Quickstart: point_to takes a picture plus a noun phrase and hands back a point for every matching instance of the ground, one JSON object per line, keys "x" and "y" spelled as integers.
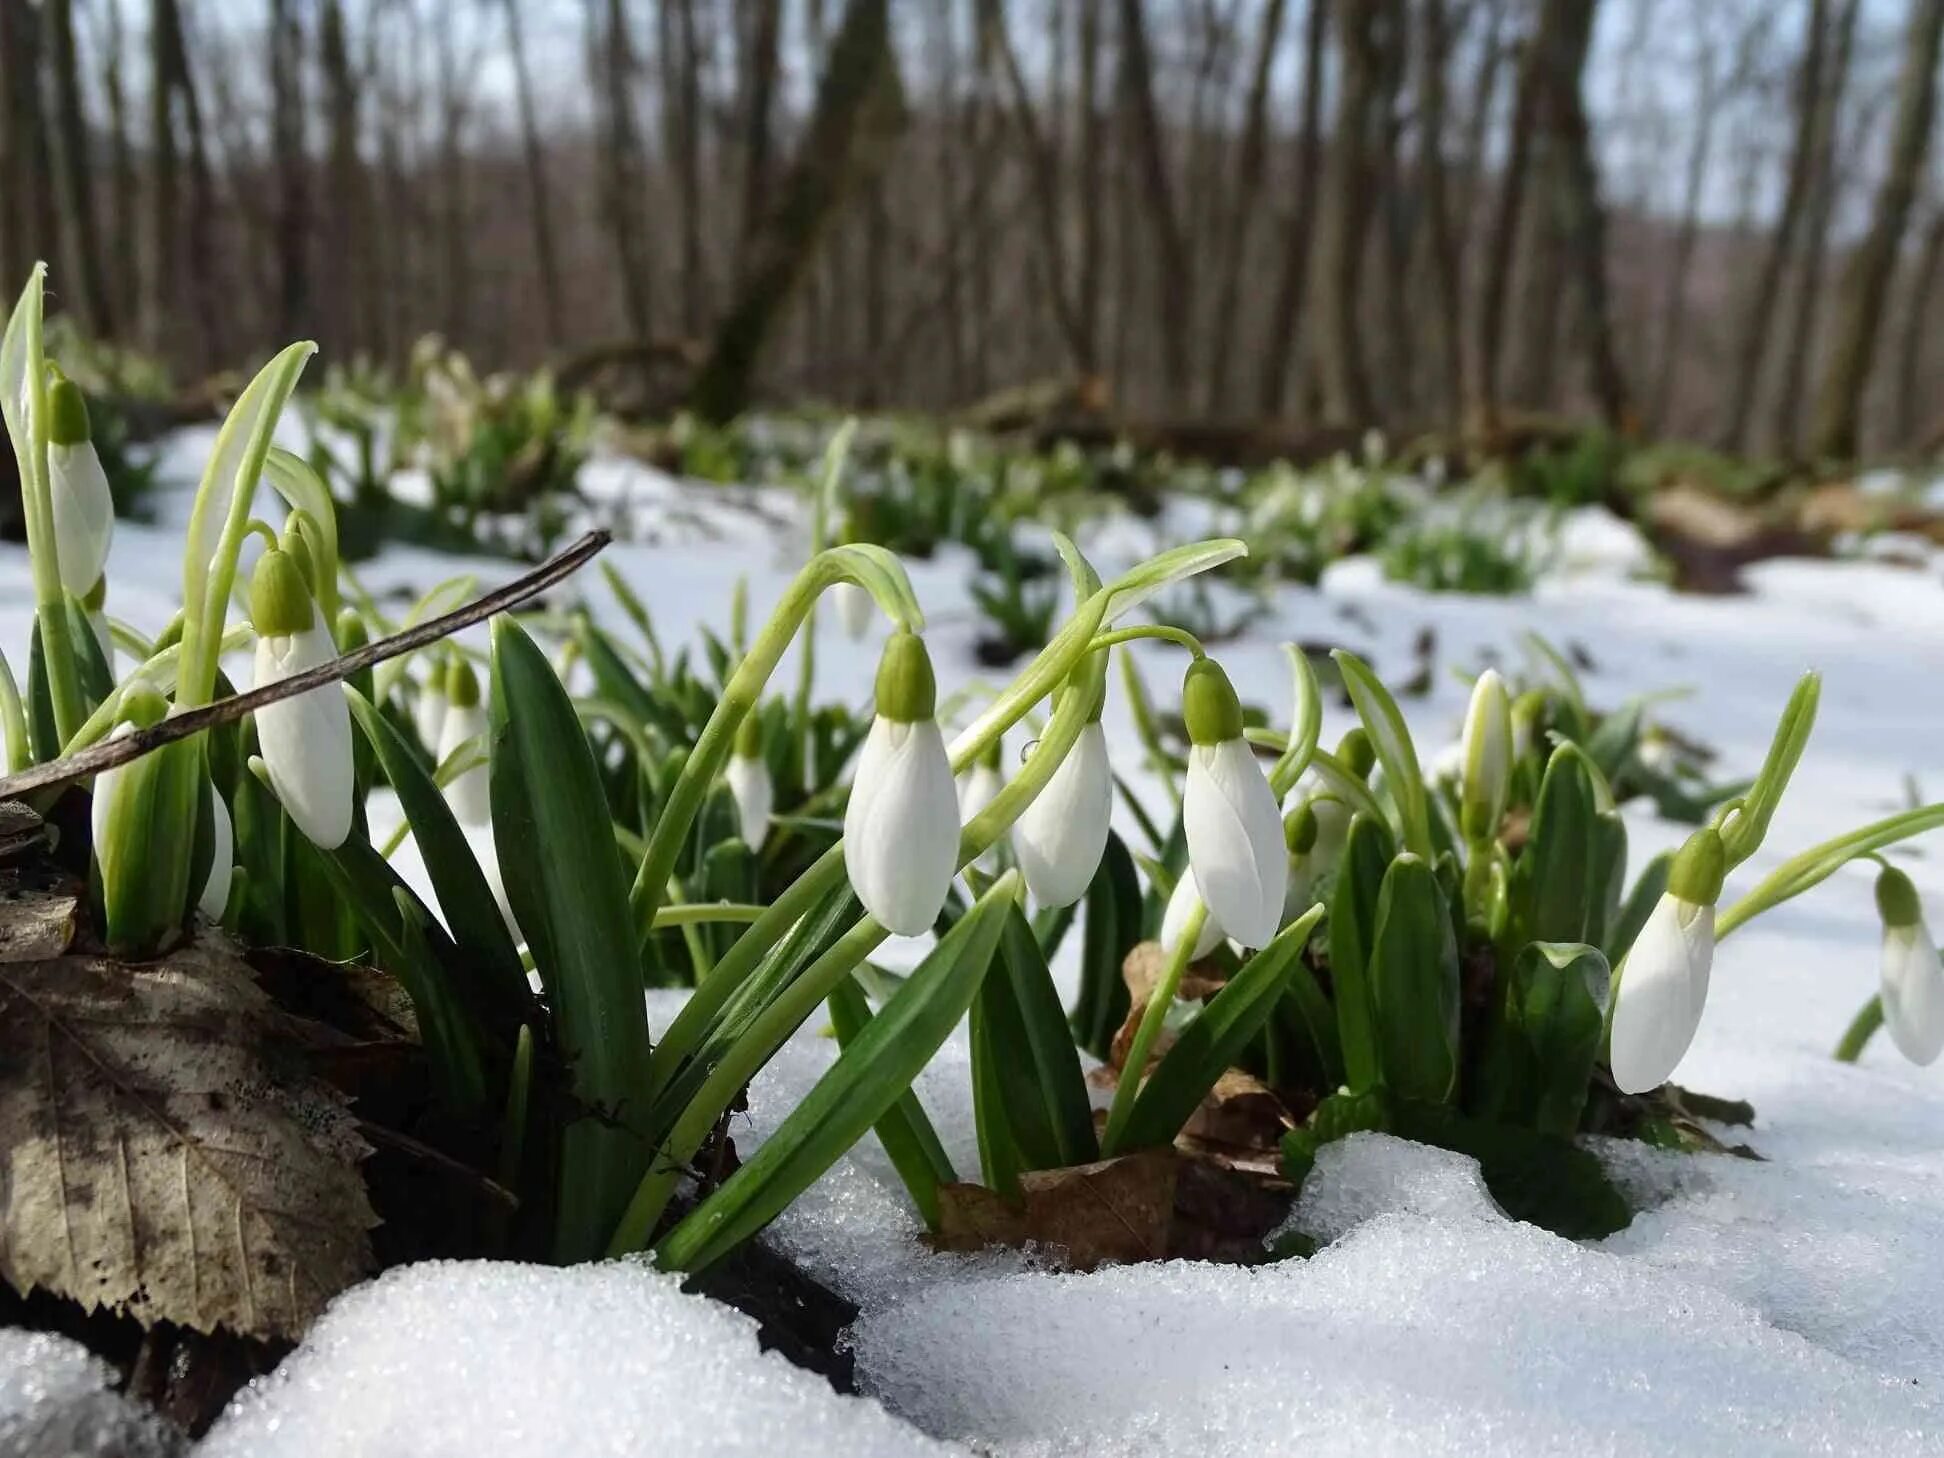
{"x": 1788, "y": 1306}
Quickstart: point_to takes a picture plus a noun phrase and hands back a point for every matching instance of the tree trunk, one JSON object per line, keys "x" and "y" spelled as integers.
{"x": 763, "y": 42}
{"x": 621, "y": 169}
{"x": 1745, "y": 364}
{"x": 1916, "y": 333}
{"x": 1578, "y": 212}
{"x": 834, "y": 159}
{"x": 16, "y": 74}
{"x": 292, "y": 168}
{"x": 124, "y": 217}
{"x": 1338, "y": 350}
{"x": 1093, "y": 192}
{"x": 1173, "y": 282}
{"x": 1292, "y": 280}
{"x": 1441, "y": 242}
{"x": 348, "y": 316}
{"x": 164, "y": 241}
{"x": 1839, "y": 405}
{"x": 1250, "y": 162}
{"x": 78, "y": 171}
{"x": 684, "y": 91}
{"x": 539, "y": 198}
{"x": 1502, "y": 238}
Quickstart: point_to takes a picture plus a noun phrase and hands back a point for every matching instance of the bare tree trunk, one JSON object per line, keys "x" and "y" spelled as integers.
{"x": 205, "y": 278}
{"x": 539, "y": 198}
{"x": 763, "y": 43}
{"x": 1916, "y": 333}
{"x": 77, "y": 170}
{"x": 1441, "y": 244}
{"x": 1502, "y": 238}
{"x": 1249, "y": 166}
{"x": 621, "y": 168}
{"x": 348, "y": 317}
{"x": 1815, "y": 241}
{"x": 1745, "y": 363}
{"x": 1395, "y": 206}
{"x": 17, "y": 75}
{"x": 124, "y": 218}
{"x": 1173, "y": 292}
{"x": 292, "y": 168}
{"x": 1579, "y": 213}
{"x": 1299, "y": 232}
{"x": 683, "y": 89}
{"x": 1093, "y": 194}
{"x": 835, "y": 158}
{"x": 1867, "y": 284}
{"x": 1338, "y": 350}
{"x": 159, "y": 311}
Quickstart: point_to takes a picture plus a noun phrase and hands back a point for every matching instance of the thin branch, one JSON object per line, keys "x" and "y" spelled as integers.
{"x": 131, "y": 746}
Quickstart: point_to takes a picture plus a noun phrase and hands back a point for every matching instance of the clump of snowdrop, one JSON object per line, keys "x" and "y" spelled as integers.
{"x": 901, "y": 827}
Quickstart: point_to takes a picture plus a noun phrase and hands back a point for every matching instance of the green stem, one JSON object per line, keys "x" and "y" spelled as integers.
{"x": 1134, "y": 1068}
{"x": 1862, "y": 1028}
{"x": 1812, "y": 867}
{"x": 1158, "y": 631}
{"x": 13, "y": 718}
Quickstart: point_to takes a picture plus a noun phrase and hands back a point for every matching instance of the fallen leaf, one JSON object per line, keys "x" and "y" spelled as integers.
{"x": 39, "y": 910}
{"x": 168, "y": 1153}
{"x": 1242, "y": 1112}
{"x": 1223, "y": 1212}
{"x": 1143, "y": 967}
{"x": 1113, "y": 1211}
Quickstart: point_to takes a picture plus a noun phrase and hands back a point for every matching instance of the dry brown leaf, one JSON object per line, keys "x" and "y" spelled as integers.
{"x": 1241, "y": 1111}
{"x": 39, "y": 909}
{"x": 1117, "y": 1210}
{"x": 168, "y": 1154}
{"x": 1145, "y": 963}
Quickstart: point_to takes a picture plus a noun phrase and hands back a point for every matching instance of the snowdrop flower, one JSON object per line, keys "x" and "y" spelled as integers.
{"x": 305, "y": 740}
{"x": 1913, "y": 979}
{"x": 854, "y": 608}
{"x": 750, "y": 784}
{"x": 978, "y": 787}
{"x": 901, "y": 828}
{"x": 469, "y": 794}
{"x": 1174, "y": 921}
{"x": 1663, "y": 983}
{"x": 1061, "y": 836}
{"x": 222, "y": 860}
{"x": 428, "y": 713}
{"x": 84, "y": 508}
{"x": 1487, "y": 757}
{"x": 1233, "y": 826}
{"x": 1299, "y": 835}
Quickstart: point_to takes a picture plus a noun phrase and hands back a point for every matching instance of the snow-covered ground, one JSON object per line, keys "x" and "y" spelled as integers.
{"x": 1789, "y": 1306}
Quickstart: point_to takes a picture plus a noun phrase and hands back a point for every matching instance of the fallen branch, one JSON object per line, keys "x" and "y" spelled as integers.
{"x": 120, "y": 750}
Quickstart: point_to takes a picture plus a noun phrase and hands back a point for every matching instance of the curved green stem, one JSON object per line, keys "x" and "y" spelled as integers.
{"x": 1817, "y": 864}
{"x": 1862, "y": 1028}
{"x": 1161, "y": 632}
{"x": 1134, "y": 1068}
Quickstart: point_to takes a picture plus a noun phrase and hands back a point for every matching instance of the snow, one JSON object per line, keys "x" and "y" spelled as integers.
{"x": 465, "y": 1358}
{"x": 1782, "y": 1306}
{"x": 55, "y": 1399}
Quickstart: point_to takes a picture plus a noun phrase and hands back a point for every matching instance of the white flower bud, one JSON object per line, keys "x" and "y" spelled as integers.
{"x": 1913, "y": 979}
{"x": 1174, "y": 921}
{"x": 1229, "y": 814}
{"x": 469, "y": 794}
{"x": 854, "y": 608}
{"x": 750, "y": 784}
{"x": 305, "y": 740}
{"x": 1663, "y": 984}
{"x": 1063, "y": 833}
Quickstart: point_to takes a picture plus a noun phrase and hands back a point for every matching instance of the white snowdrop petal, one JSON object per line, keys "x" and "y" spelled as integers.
{"x": 1061, "y": 836}
{"x": 1235, "y": 840}
{"x": 854, "y": 608}
{"x": 901, "y": 828}
{"x": 1663, "y": 988}
{"x": 1913, "y": 993}
{"x": 469, "y": 795}
{"x": 222, "y": 860}
{"x": 979, "y": 788}
{"x": 84, "y": 514}
{"x": 754, "y": 792}
{"x": 1175, "y": 919}
{"x": 306, "y": 741}
{"x": 428, "y": 716}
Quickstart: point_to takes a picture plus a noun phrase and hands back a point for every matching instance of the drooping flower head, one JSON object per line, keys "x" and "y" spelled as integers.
{"x": 750, "y": 785}
{"x": 1174, "y": 921}
{"x": 305, "y": 740}
{"x": 469, "y": 793}
{"x": 1228, "y": 812}
{"x": 901, "y": 827}
{"x": 1663, "y": 983}
{"x": 1913, "y": 980}
{"x": 1063, "y": 833}
{"x": 84, "y": 507}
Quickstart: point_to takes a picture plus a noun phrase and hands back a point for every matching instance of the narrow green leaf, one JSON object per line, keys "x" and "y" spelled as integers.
{"x": 1745, "y": 831}
{"x": 1560, "y": 992}
{"x": 867, "y": 1079}
{"x": 905, "y": 1132}
{"x": 1112, "y": 929}
{"x": 563, "y": 876}
{"x": 1391, "y": 738}
{"x": 1414, "y": 983}
{"x": 1367, "y": 853}
{"x": 1038, "y": 1075}
{"x": 1212, "y": 1042}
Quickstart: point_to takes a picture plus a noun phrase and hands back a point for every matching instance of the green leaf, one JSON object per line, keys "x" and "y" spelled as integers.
{"x": 1391, "y": 738}
{"x": 905, "y": 1132}
{"x": 1555, "y": 878}
{"x": 1559, "y": 996}
{"x": 1414, "y": 983}
{"x": 563, "y": 877}
{"x": 867, "y": 1079}
{"x": 1539, "y": 1178}
{"x": 1646, "y": 894}
{"x": 1030, "y": 1062}
{"x": 1213, "y": 1041}
{"x": 1367, "y": 853}
{"x": 1113, "y": 928}
{"x": 485, "y": 946}
{"x": 1745, "y": 831}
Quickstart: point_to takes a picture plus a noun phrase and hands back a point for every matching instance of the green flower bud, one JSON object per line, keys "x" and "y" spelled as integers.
{"x": 352, "y": 631}
{"x": 1896, "y": 899}
{"x": 1300, "y": 829}
{"x": 907, "y": 693}
{"x": 462, "y": 684}
{"x": 1699, "y": 868}
{"x": 1209, "y": 706}
{"x": 67, "y": 413}
{"x": 1356, "y": 753}
{"x": 297, "y": 547}
{"x": 280, "y": 599}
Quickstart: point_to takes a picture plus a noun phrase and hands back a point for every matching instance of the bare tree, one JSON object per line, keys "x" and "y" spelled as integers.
{"x": 621, "y": 165}
{"x": 1867, "y": 284}
{"x": 1917, "y": 330}
{"x": 292, "y": 166}
{"x": 77, "y": 168}
{"x": 762, "y": 45}
{"x": 540, "y": 198}
{"x": 1299, "y": 229}
{"x": 1441, "y": 239}
{"x": 1173, "y": 283}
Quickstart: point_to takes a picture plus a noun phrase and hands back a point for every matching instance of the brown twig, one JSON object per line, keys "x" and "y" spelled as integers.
{"x": 117, "y": 751}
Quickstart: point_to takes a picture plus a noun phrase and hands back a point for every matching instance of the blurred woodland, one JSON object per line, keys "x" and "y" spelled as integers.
{"x": 1715, "y": 219}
